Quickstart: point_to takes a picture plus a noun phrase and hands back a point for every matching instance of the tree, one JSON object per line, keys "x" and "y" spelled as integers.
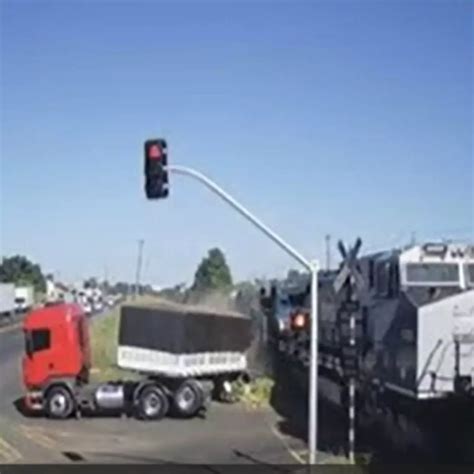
{"x": 292, "y": 274}
{"x": 176, "y": 293}
{"x": 91, "y": 283}
{"x": 246, "y": 295}
{"x": 213, "y": 273}
{"x": 21, "y": 271}
{"x": 122, "y": 288}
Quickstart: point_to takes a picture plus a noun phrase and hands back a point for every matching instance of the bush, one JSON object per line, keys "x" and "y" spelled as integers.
{"x": 255, "y": 394}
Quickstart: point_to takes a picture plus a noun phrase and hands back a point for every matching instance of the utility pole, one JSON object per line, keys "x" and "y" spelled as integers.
{"x": 328, "y": 252}
{"x": 106, "y": 273}
{"x": 139, "y": 266}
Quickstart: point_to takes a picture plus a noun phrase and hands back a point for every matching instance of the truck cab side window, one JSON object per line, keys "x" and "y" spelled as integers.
{"x": 40, "y": 340}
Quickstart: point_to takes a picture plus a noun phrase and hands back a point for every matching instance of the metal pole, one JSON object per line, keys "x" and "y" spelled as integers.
{"x": 352, "y": 398}
{"x": 139, "y": 265}
{"x": 352, "y": 393}
{"x": 313, "y": 376}
{"x": 312, "y": 267}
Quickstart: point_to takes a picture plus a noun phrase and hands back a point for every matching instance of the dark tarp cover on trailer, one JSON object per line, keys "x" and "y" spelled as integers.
{"x": 181, "y": 330}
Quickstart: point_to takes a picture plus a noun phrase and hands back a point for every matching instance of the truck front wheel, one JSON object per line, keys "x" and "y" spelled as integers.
{"x": 152, "y": 403}
{"x": 59, "y": 403}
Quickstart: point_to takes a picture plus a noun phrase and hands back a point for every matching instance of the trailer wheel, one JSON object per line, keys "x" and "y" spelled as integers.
{"x": 152, "y": 403}
{"x": 188, "y": 398}
{"x": 59, "y": 403}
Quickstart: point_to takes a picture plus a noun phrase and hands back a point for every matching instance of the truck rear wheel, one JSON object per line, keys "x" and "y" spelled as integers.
{"x": 188, "y": 398}
{"x": 152, "y": 403}
{"x": 59, "y": 403}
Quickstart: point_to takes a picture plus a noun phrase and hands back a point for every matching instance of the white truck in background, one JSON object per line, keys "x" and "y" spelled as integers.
{"x": 24, "y": 298}
{"x": 97, "y": 300}
{"x": 7, "y": 300}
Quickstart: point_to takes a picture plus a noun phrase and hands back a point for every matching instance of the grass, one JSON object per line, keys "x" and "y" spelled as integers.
{"x": 255, "y": 394}
{"x": 104, "y": 337}
{"x": 104, "y": 334}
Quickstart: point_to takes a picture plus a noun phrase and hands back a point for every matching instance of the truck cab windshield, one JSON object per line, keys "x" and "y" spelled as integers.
{"x": 432, "y": 273}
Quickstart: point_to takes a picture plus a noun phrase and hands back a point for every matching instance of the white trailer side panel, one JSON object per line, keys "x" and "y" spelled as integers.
{"x": 180, "y": 365}
{"x": 7, "y": 298}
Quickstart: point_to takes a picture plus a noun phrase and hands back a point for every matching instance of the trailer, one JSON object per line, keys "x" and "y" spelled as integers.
{"x": 7, "y": 299}
{"x": 184, "y": 355}
{"x": 24, "y": 298}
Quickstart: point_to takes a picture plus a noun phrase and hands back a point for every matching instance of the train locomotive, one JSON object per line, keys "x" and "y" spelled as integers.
{"x": 414, "y": 330}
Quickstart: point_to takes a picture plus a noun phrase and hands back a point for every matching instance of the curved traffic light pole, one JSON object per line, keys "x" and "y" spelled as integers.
{"x": 311, "y": 266}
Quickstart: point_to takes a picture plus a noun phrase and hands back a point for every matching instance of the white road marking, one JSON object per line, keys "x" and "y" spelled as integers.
{"x": 296, "y": 455}
{"x": 8, "y": 452}
{"x": 10, "y": 328}
{"x": 36, "y": 435}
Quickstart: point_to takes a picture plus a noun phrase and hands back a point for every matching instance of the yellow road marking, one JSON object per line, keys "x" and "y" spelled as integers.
{"x": 35, "y": 435}
{"x": 8, "y": 452}
{"x": 10, "y": 328}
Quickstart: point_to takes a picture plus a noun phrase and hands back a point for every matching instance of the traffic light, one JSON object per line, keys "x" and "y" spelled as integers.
{"x": 156, "y": 171}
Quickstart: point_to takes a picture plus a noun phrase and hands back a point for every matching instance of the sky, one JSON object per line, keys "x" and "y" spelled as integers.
{"x": 347, "y": 118}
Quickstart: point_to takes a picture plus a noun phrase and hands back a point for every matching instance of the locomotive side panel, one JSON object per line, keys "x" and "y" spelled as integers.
{"x": 441, "y": 324}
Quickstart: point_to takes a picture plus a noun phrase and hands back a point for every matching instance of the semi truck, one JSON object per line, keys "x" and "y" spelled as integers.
{"x": 185, "y": 356}
{"x": 7, "y": 300}
{"x": 24, "y": 298}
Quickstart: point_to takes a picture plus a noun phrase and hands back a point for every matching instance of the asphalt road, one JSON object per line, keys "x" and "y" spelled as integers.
{"x": 229, "y": 433}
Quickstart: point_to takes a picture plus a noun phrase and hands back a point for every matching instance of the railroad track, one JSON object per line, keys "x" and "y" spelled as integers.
{"x": 445, "y": 436}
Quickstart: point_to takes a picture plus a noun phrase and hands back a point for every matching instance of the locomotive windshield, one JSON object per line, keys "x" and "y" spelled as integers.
{"x": 470, "y": 274}
{"x": 432, "y": 273}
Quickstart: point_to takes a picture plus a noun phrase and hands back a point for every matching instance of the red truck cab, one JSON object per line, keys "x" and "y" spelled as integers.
{"x": 56, "y": 348}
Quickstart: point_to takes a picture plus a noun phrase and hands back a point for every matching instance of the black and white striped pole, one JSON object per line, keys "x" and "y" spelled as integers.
{"x": 352, "y": 394}
{"x": 350, "y": 278}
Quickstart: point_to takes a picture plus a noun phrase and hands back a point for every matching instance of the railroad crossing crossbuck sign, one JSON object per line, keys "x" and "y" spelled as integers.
{"x": 349, "y": 271}
{"x": 350, "y": 315}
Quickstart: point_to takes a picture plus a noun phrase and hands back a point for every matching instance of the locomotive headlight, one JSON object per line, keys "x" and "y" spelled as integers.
{"x": 299, "y": 321}
{"x": 435, "y": 249}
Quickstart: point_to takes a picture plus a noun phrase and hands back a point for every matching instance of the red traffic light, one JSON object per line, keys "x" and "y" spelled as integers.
{"x": 156, "y": 172}
{"x": 154, "y": 152}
